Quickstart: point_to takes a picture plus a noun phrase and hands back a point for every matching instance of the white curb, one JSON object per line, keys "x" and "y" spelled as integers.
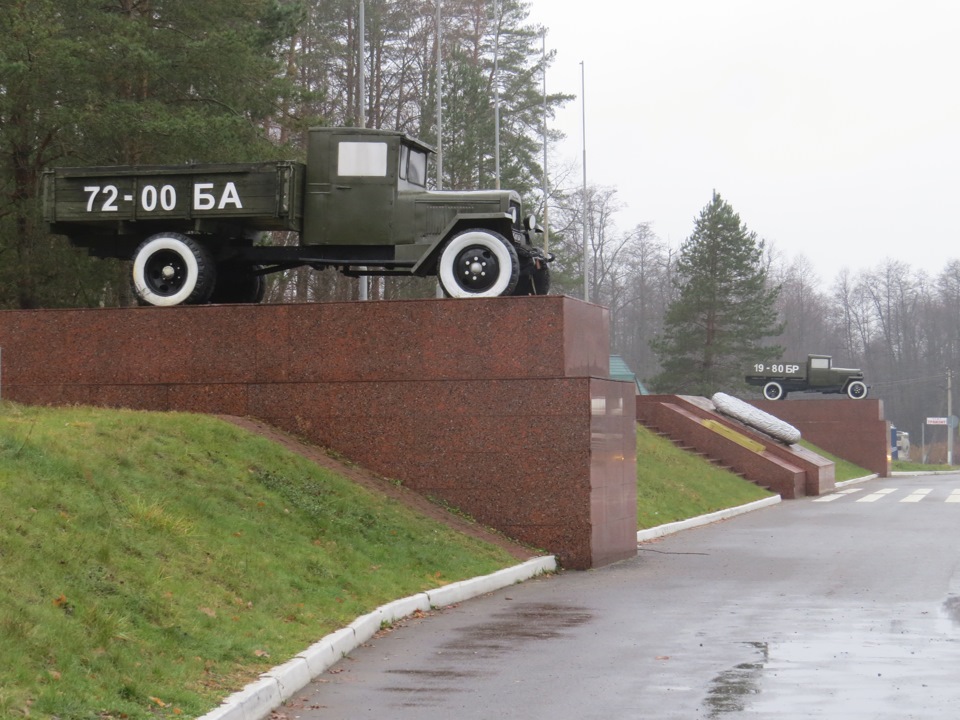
{"x": 670, "y": 528}
{"x": 275, "y": 687}
{"x": 856, "y": 481}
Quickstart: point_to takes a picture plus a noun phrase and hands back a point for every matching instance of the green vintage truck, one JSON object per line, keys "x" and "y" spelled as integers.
{"x": 196, "y": 232}
{"x": 816, "y": 375}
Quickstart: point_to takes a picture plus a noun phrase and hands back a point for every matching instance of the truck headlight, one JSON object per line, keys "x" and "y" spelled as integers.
{"x": 530, "y": 223}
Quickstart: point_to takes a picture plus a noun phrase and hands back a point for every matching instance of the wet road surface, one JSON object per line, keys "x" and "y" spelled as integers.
{"x": 844, "y": 608}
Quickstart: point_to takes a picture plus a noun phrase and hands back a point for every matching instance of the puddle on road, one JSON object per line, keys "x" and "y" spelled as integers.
{"x": 865, "y": 667}
{"x": 951, "y": 608}
{"x": 510, "y": 629}
{"x": 730, "y": 690}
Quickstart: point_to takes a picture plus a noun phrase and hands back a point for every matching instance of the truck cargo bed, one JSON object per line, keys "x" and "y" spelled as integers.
{"x": 129, "y": 201}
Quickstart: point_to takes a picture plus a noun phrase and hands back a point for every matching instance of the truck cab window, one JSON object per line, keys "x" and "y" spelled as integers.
{"x": 417, "y": 167}
{"x": 404, "y": 156}
{"x": 362, "y": 159}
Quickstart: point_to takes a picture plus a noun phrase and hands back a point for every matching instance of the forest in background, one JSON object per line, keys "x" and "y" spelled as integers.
{"x": 160, "y": 81}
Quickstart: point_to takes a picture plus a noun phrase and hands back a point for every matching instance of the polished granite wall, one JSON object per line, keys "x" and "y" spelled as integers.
{"x": 854, "y": 430}
{"x": 500, "y": 407}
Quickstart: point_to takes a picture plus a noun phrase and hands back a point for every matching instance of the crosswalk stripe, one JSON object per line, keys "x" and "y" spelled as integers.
{"x": 914, "y": 496}
{"x": 837, "y": 495}
{"x": 873, "y": 497}
{"x": 917, "y": 495}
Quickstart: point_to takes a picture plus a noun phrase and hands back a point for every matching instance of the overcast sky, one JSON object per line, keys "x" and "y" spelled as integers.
{"x": 831, "y": 127}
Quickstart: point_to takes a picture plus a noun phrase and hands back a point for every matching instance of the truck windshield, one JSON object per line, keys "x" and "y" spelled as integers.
{"x": 417, "y": 167}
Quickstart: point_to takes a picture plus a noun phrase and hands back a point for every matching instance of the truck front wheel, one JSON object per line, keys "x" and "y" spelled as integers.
{"x": 478, "y": 263}
{"x": 773, "y": 391}
{"x": 170, "y": 269}
{"x": 857, "y": 390}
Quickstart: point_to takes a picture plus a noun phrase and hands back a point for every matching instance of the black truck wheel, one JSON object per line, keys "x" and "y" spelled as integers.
{"x": 171, "y": 269}
{"x": 478, "y": 263}
{"x": 857, "y": 390}
{"x": 773, "y": 391}
{"x": 534, "y": 282}
{"x": 237, "y": 284}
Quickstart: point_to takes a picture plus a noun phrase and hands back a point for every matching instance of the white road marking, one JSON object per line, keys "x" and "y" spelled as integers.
{"x": 873, "y": 497}
{"x": 917, "y": 495}
{"x": 837, "y": 495}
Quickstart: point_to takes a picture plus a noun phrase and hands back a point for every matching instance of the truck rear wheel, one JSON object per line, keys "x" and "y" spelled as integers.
{"x": 478, "y": 263}
{"x": 773, "y": 391}
{"x": 857, "y": 390}
{"x": 237, "y": 284}
{"x": 171, "y": 269}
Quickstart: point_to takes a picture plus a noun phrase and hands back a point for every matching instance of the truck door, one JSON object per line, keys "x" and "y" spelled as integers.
{"x": 351, "y": 200}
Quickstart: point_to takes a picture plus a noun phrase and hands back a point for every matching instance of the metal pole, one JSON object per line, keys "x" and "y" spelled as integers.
{"x": 439, "y": 74}
{"x": 949, "y": 417}
{"x": 362, "y": 114}
{"x": 583, "y": 103}
{"x": 496, "y": 97}
{"x": 546, "y": 178}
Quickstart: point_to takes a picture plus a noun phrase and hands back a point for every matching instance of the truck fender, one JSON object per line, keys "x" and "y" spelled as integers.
{"x": 498, "y": 222}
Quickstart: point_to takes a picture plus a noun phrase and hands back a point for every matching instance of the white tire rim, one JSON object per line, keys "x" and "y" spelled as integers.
{"x": 447, "y": 271}
{"x": 139, "y": 271}
{"x": 859, "y": 393}
{"x": 773, "y": 386}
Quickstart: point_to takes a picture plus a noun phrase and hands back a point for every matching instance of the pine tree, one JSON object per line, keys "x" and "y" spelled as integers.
{"x": 723, "y": 311}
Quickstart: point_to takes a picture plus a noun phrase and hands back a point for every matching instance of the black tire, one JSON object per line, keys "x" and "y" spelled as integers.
{"x": 856, "y": 390}
{"x": 773, "y": 391}
{"x": 535, "y": 282}
{"x": 237, "y": 284}
{"x": 478, "y": 263}
{"x": 172, "y": 269}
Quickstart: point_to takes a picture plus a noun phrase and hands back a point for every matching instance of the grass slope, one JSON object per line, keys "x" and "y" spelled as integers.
{"x": 842, "y": 469}
{"x": 150, "y": 564}
{"x": 674, "y": 485}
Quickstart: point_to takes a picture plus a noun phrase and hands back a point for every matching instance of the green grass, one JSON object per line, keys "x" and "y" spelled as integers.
{"x": 153, "y": 563}
{"x": 675, "y": 485}
{"x": 908, "y": 466}
{"x": 843, "y": 470}
{"x": 150, "y": 564}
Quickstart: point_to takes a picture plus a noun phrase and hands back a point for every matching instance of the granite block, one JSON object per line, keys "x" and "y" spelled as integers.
{"x": 501, "y": 407}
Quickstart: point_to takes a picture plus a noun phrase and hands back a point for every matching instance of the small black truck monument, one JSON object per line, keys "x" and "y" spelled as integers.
{"x": 816, "y": 375}
{"x": 360, "y": 204}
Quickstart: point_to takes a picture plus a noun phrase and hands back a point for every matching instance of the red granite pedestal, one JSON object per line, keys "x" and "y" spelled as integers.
{"x": 854, "y": 430}
{"x": 500, "y": 407}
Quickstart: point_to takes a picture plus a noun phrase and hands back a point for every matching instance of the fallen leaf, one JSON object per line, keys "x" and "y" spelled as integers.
{"x": 261, "y": 653}
{"x": 158, "y": 701}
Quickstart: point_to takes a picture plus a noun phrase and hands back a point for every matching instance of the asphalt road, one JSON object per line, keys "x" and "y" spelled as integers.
{"x": 832, "y": 608}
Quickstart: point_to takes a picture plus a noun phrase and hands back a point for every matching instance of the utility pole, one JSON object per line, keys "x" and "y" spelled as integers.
{"x": 583, "y": 103}
{"x": 362, "y": 117}
{"x": 439, "y": 79}
{"x": 949, "y": 417}
{"x": 546, "y": 178}
{"x": 496, "y": 97}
